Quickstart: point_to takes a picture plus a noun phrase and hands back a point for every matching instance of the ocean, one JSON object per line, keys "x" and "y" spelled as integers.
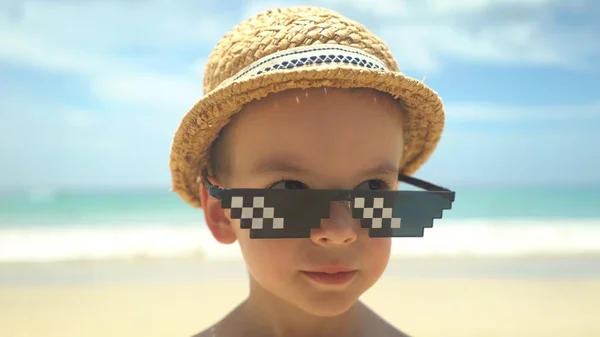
{"x": 53, "y": 226}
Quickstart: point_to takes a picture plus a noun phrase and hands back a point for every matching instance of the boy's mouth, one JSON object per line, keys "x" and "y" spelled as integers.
{"x": 331, "y": 275}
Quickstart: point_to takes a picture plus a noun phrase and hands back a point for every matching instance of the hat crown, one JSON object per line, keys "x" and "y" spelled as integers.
{"x": 280, "y": 29}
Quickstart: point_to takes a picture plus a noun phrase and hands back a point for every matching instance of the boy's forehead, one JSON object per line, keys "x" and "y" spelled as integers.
{"x": 334, "y": 128}
{"x": 320, "y": 108}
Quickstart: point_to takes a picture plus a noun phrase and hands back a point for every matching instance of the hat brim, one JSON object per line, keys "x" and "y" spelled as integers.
{"x": 201, "y": 125}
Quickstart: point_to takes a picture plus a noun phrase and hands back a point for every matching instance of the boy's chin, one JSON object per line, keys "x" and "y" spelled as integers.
{"x": 327, "y": 305}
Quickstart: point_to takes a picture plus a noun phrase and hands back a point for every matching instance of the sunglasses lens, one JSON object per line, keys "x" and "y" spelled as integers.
{"x": 398, "y": 213}
{"x": 279, "y": 213}
{"x": 294, "y": 213}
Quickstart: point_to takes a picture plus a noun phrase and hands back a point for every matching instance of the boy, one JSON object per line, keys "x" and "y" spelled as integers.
{"x": 295, "y": 152}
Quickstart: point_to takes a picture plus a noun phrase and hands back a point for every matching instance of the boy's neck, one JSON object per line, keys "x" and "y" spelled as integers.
{"x": 265, "y": 315}
{"x": 280, "y": 321}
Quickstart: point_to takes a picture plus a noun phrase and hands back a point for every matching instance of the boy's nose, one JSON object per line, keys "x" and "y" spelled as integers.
{"x": 339, "y": 229}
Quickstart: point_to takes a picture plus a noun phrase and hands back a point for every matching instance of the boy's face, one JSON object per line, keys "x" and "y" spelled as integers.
{"x": 319, "y": 139}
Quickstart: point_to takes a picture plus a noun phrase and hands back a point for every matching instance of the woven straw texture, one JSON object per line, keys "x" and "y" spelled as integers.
{"x": 278, "y": 30}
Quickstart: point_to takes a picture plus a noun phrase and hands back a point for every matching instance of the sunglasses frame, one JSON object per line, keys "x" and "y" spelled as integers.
{"x": 438, "y": 193}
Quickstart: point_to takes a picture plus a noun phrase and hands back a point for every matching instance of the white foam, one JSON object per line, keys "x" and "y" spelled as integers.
{"x": 504, "y": 238}
{"x": 163, "y": 240}
{"x": 94, "y": 242}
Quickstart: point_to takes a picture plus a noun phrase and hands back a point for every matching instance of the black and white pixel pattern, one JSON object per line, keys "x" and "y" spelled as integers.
{"x": 307, "y": 56}
{"x": 254, "y": 214}
{"x": 384, "y": 213}
{"x": 374, "y": 212}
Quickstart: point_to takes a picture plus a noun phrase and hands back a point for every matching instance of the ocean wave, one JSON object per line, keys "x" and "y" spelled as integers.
{"x": 162, "y": 240}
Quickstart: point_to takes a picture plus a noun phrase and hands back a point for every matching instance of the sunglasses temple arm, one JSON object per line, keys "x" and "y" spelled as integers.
{"x": 421, "y": 183}
{"x": 213, "y": 190}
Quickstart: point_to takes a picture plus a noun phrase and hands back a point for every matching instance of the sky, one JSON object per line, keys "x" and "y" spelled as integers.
{"x": 91, "y": 91}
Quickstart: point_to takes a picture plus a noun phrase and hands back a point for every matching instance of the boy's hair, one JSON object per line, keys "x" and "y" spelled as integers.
{"x": 219, "y": 163}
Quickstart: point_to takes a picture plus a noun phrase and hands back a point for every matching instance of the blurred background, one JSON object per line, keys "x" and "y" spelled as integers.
{"x": 91, "y": 93}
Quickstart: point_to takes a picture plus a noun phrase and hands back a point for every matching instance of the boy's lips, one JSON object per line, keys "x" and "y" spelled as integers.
{"x": 331, "y": 269}
{"x": 331, "y": 275}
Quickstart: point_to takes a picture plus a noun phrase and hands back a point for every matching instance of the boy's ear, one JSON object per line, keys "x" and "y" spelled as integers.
{"x": 216, "y": 218}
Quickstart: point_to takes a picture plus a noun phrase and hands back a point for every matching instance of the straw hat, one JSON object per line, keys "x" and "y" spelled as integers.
{"x": 298, "y": 47}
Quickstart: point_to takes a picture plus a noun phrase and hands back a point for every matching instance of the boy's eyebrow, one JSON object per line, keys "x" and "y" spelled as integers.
{"x": 279, "y": 164}
{"x": 383, "y": 168}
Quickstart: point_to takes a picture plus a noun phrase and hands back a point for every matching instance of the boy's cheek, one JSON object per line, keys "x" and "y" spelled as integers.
{"x": 379, "y": 246}
{"x": 266, "y": 249}
{"x": 375, "y": 254}
{"x": 274, "y": 259}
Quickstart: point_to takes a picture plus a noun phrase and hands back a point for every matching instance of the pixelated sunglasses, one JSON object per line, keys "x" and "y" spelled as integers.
{"x": 292, "y": 213}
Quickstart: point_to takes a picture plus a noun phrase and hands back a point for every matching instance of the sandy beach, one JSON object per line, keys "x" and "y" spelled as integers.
{"x": 183, "y": 305}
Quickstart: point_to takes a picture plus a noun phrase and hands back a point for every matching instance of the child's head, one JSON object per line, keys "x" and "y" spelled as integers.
{"x": 303, "y": 98}
{"x": 321, "y": 138}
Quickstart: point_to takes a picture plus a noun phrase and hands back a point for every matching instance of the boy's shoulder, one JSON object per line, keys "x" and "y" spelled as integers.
{"x": 389, "y": 331}
{"x": 377, "y": 326}
{"x": 386, "y": 332}
{"x": 374, "y": 326}
{"x": 210, "y": 332}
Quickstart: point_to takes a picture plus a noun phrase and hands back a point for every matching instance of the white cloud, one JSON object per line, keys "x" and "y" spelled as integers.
{"x": 123, "y": 49}
{"x": 423, "y": 47}
{"x": 36, "y": 51}
{"x": 424, "y": 10}
{"x": 511, "y": 113}
{"x": 149, "y": 90}
{"x": 422, "y": 42}
{"x": 75, "y": 146}
{"x": 78, "y": 118}
{"x": 99, "y": 37}
{"x": 107, "y": 36}
{"x": 518, "y": 157}
{"x": 197, "y": 68}
{"x": 457, "y": 6}
{"x": 137, "y": 59}
{"x": 422, "y": 34}
{"x": 110, "y": 39}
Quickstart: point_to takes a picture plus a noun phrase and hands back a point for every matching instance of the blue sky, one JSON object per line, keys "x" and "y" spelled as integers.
{"x": 91, "y": 92}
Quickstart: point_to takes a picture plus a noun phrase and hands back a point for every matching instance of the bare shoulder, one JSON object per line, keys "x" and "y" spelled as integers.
{"x": 380, "y": 327}
{"x": 226, "y": 327}
{"x": 210, "y": 332}
{"x": 393, "y": 332}
{"x": 385, "y": 329}
{"x": 220, "y": 329}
